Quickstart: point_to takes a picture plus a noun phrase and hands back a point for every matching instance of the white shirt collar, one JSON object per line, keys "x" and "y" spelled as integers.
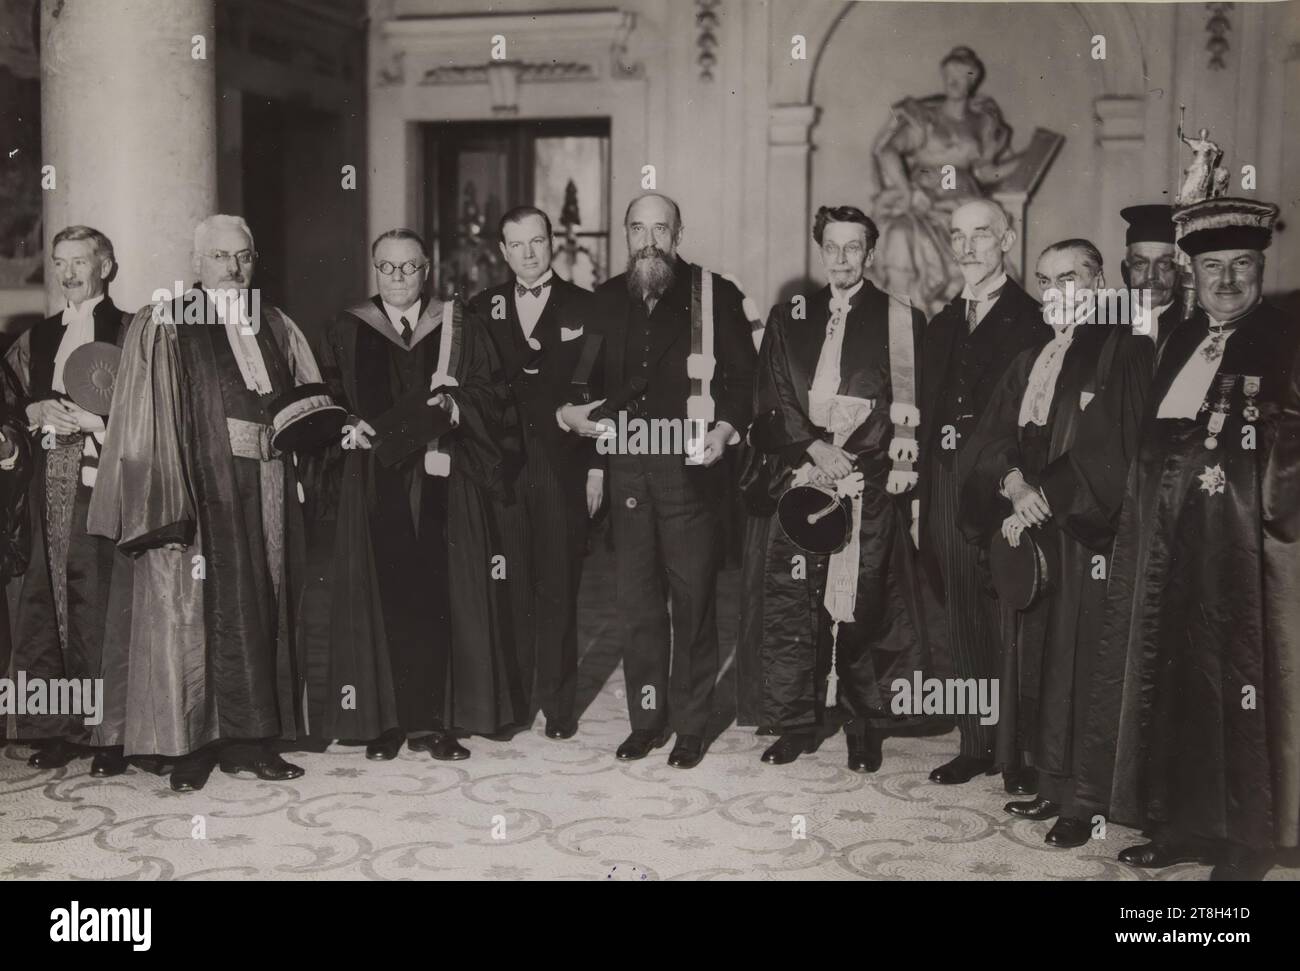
{"x": 991, "y": 285}
{"x": 544, "y": 278}
{"x": 411, "y": 313}
{"x": 844, "y": 296}
{"x": 84, "y": 312}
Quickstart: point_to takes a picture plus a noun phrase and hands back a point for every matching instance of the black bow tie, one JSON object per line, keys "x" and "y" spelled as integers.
{"x": 536, "y": 291}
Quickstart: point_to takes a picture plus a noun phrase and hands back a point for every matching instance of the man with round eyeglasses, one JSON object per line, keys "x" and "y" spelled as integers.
{"x": 412, "y": 607}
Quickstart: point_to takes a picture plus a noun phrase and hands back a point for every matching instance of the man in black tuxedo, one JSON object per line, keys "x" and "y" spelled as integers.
{"x": 658, "y": 368}
{"x": 968, "y": 346}
{"x": 536, "y": 321}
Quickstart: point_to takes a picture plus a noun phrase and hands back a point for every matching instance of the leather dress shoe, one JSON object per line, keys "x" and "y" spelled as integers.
{"x": 1251, "y": 867}
{"x": 561, "y": 728}
{"x": 108, "y": 762}
{"x": 1020, "y": 782}
{"x": 639, "y": 744}
{"x": 386, "y": 746}
{"x": 190, "y": 773}
{"x": 53, "y": 754}
{"x": 263, "y": 763}
{"x": 688, "y": 751}
{"x": 865, "y": 753}
{"x": 1068, "y": 832}
{"x": 1156, "y": 855}
{"x": 787, "y": 748}
{"x": 1037, "y": 808}
{"x": 444, "y": 747}
{"x": 961, "y": 769}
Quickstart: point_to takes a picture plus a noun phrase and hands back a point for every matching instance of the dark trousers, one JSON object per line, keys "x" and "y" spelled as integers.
{"x": 543, "y": 534}
{"x": 971, "y": 611}
{"x": 667, "y": 550}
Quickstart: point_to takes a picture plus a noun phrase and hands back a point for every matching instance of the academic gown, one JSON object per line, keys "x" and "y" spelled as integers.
{"x": 1194, "y": 715}
{"x": 417, "y": 623}
{"x": 885, "y": 641}
{"x": 206, "y": 647}
{"x": 59, "y": 603}
{"x": 15, "y": 523}
{"x": 1080, "y": 459}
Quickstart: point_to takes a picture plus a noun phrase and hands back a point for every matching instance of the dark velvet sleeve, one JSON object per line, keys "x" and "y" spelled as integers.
{"x": 786, "y": 430}
{"x": 1085, "y": 486}
{"x": 992, "y": 452}
{"x": 488, "y": 429}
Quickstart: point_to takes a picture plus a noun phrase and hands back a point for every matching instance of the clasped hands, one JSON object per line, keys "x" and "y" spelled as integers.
{"x": 65, "y": 417}
{"x": 1029, "y": 505}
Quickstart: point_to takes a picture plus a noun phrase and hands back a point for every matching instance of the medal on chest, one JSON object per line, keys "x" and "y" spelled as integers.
{"x": 1214, "y": 349}
{"x": 1250, "y": 384}
{"x": 1219, "y": 413}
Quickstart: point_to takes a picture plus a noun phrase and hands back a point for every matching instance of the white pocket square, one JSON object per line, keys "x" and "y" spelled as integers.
{"x": 1085, "y": 399}
{"x": 570, "y": 335}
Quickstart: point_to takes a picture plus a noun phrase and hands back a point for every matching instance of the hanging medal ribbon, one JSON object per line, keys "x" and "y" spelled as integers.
{"x": 1219, "y": 415}
{"x": 1250, "y": 385}
{"x": 436, "y": 460}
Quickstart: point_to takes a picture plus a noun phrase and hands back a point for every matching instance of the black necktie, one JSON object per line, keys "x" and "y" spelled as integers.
{"x": 536, "y": 291}
{"x": 406, "y": 331}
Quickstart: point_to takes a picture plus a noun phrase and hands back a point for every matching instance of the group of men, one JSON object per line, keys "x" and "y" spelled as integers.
{"x": 414, "y": 579}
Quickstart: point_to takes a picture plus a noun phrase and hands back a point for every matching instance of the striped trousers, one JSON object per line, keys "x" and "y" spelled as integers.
{"x": 971, "y": 611}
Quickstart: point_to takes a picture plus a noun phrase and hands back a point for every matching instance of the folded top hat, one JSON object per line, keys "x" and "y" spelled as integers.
{"x": 90, "y": 373}
{"x": 815, "y": 519}
{"x": 304, "y": 418}
{"x": 1020, "y": 574}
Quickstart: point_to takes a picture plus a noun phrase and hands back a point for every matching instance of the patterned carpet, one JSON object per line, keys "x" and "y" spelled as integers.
{"x": 533, "y": 808}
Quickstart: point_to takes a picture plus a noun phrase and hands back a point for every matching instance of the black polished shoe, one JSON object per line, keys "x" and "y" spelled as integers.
{"x": 639, "y": 744}
{"x": 1155, "y": 855}
{"x": 961, "y": 770}
{"x": 263, "y": 763}
{"x": 1020, "y": 782}
{"x": 787, "y": 748}
{"x": 688, "y": 751}
{"x": 190, "y": 773}
{"x": 53, "y": 754}
{"x": 444, "y": 747}
{"x": 561, "y": 728}
{"x": 108, "y": 762}
{"x": 1250, "y": 867}
{"x": 1037, "y": 808}
{"x": 865, "y": 753}
{"x": 386, "y": 746}
{"x": 1068, "y": 832}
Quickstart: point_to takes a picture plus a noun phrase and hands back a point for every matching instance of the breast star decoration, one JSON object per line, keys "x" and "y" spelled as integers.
{"x": 1212, "y": 479}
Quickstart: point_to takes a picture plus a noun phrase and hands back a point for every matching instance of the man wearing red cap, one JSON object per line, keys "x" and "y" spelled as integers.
{"x": 1194, "y": 721}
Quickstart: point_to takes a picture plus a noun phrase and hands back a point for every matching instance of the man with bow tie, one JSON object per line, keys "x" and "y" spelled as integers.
{"x": 836, "y": 407}
{"x": 63, "y": 596}
{"x": 1194, "y": 716}
{"x": 537, "y": 322}
{"x": 968, "y": 346}
{"x": 416, "y": 654}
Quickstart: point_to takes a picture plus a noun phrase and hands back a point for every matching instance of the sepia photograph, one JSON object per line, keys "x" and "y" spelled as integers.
{"x": 650, "y": 440}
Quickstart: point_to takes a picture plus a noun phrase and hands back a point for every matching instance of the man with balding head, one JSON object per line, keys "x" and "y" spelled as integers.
{"x": 204, "y": 666}
{"x": 968, "y": 346}
{"x": 675, "y": 356}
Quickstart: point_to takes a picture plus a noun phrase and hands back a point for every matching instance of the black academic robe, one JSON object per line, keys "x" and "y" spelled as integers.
{"x": 884, "y": 642}
{"x": 1080, "y": 459}
{"x": 59, "y": 603}
{"x": 417, "y": 630}
{"x": 1194, "y": 709}
{"x": 15, "y": 524}
{"x": 189, "y": 487}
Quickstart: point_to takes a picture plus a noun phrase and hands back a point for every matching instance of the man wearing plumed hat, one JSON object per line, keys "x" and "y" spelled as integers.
{"x": 1193, "y": 732}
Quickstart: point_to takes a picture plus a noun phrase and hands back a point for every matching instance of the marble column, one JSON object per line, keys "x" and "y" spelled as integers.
{"x": 788, "y": 187}
{"x": 129, "y": 123}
